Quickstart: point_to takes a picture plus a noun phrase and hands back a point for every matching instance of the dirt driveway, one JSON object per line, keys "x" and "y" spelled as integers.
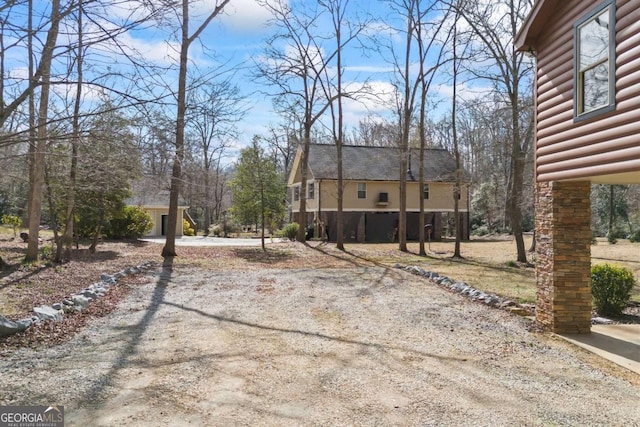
{"x": 344, "y": 346}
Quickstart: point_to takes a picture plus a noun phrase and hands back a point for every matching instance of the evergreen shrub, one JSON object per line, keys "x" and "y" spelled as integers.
{"x": 290, "y": 231}
{"x": 611, "y": 288}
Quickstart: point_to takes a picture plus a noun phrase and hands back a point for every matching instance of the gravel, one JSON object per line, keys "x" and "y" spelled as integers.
{"x": 362, "y": 346}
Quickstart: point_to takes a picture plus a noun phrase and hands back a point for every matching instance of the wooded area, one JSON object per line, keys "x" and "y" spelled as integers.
{"x": 84, "y": 117}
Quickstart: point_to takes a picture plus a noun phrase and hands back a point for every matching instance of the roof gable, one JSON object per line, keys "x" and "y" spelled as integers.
{"x": 151, "y": 199}
{"x": 534, "y": 24}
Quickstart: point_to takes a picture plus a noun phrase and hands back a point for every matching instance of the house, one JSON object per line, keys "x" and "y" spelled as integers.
{"x": 156, "y": 204}
{"x": 371, "y": 178}
{"x": 587, "y": 91}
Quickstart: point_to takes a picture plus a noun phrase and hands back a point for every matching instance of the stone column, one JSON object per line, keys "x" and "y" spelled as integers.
{"x": 563, "y": 249}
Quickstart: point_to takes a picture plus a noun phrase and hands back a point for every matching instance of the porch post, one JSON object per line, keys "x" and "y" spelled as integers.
{"x": 563, "y": 249}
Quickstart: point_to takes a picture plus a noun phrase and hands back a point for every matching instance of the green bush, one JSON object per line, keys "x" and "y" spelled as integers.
{"x": 12, "y": 221}
{"x": 481, "y": 230}
{"x": 290, "y": 231}
{"x": 611, "y": 288}
{"x": 186, "y": 228}
{"x": 133, "y": 222}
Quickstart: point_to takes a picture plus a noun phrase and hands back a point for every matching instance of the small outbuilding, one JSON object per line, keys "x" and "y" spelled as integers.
{"x": 156, "y": 204}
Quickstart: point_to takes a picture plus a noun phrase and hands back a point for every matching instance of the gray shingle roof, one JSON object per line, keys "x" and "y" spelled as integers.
{"x": 379, "y": 163}
{"x": 153, "y": 199}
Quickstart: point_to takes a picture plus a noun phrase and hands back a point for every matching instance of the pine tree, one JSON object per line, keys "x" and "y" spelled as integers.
{"x": 258, "y": 189}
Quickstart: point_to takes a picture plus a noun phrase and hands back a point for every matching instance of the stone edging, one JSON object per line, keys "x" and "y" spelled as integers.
{"x": 470, "y": 292}
{"x": 76, "y": 302}
{"x": 491, "y": 300}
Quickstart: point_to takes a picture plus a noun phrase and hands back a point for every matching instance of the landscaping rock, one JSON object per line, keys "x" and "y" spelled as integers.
{"x": 107, "y": 278}
{"x": 7, "y": 327}
{"x": 89, "y": 294}
{"x": 45, "y": 312}
{"x": 80, "y": 302}
{"x": 24, "y": 323}
{"x": 77, "y": 302}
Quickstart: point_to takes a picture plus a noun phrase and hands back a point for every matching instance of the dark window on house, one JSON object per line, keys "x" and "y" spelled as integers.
{"x": 310, "y": 190}
{"x": 296, "y": 193}
{"x": 362, "y": 190}
{"x": 425, "y": 192}
{"x": 594, "y": 43}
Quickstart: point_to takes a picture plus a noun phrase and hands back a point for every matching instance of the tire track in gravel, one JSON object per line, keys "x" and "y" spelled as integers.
{"x": 351, "y": 346}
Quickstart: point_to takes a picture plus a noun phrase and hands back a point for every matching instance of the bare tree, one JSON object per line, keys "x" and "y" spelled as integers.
{"x": 67, "y": 237}
{"x": 212, "y": 112}
{"x": 495, "y": 24}
{"x": 296, "y": 74}
{"x": 169, "y": 249}
{"x": 35, "y": 195}
{"x": 454, "y": 129}
{"x": 421, "y": 28}
{"x": 428, "y": 46}
{"x": 337, "y": 9}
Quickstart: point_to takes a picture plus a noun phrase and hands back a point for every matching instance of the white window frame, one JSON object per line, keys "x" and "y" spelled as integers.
{"x": 362, "y": 185}
{"x": 311, "y": 190}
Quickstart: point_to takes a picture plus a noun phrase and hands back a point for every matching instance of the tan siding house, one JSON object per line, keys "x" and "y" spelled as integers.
{"x": 157, "y": 206}
{"x": 587, "y": 87}
{"x": 371, "y": 192}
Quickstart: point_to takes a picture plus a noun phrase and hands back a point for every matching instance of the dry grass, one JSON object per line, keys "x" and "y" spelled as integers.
{"x": 489, "y": 264}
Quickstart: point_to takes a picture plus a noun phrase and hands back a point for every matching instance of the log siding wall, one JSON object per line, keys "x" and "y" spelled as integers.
{"x": 601, "y": 145}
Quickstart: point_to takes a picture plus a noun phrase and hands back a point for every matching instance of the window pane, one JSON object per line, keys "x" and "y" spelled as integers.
{"x": 595, "y": 87}
{"x": 594, "y": 40}
{"x": 362, "y": 190}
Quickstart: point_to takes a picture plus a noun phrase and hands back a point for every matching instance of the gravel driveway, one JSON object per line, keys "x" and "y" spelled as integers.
{"x": 355, "y": 346}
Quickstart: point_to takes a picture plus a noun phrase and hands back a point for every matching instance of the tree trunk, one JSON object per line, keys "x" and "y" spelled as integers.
{"x": 404, "y": 138}
{"x": 67, "y": 237}
{"x": 339, "y": 139}
{"x": 302, "y": 229}
{"x": 169, "y": 249}
{"x": 456, "y": 149}
{"x": 35, "y": 195}
{"x": 611, "y": 209}
{"x": 515, "y": 202}
{"x": 96, "y": 237}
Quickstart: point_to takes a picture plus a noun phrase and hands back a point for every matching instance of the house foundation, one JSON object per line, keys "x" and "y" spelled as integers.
{"x": 563, "y": 249}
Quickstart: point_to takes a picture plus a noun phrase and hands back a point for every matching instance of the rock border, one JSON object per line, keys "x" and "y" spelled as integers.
{"x": 491, "y": 300}
{"x": 75, "y": 303}
{"x": 463, "y": 288}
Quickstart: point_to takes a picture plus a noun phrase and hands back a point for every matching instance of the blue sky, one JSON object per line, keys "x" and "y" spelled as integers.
{"x": 237, "y": 38}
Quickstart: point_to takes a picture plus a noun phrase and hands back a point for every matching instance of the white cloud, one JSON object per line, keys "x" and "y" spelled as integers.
{"x": 21, "y": 73}
{"x": 245, "y": 16}
{"x": 369, "y": 69}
